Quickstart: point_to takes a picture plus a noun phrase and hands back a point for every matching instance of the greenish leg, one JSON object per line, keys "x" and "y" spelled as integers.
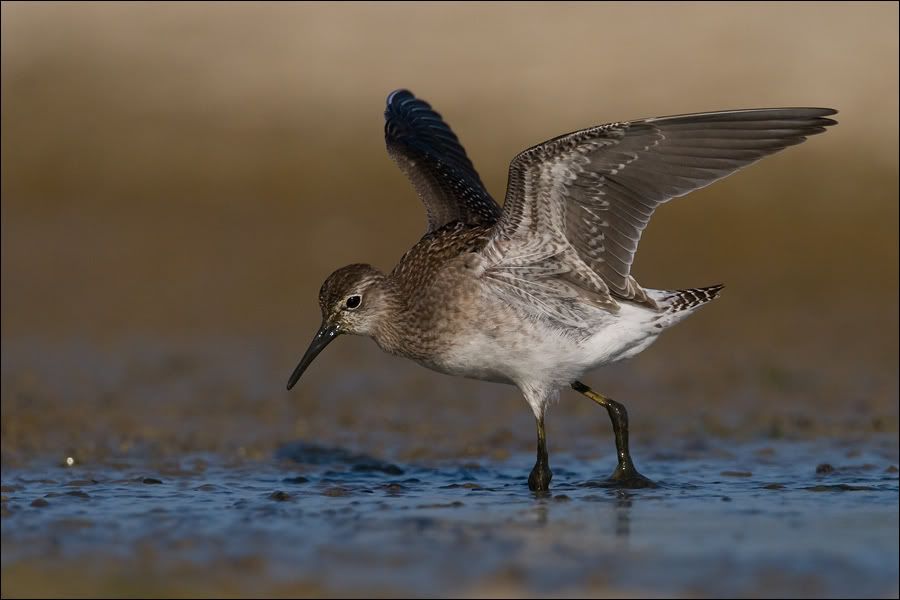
{"x": 539, "y": 480}
{"x": 625, "y": 474}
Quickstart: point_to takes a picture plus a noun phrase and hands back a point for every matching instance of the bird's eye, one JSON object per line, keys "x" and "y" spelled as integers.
{"x": 353, "y": 302}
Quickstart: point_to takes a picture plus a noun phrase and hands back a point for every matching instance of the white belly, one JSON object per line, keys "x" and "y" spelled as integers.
{"x": 530, "y": 353}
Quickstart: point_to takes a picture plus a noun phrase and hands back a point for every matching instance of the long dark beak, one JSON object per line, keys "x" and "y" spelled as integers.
{"x": 323, "y": 337}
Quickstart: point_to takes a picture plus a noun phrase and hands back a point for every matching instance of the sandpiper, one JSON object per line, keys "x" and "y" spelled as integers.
{"x": 537, "y": 293}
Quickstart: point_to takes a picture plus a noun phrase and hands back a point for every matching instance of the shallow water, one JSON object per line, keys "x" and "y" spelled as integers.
{"x": 790, "y": 518}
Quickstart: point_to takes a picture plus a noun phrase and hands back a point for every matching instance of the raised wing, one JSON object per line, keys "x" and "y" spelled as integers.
{"x": 592, "y": 192}
{"x": 426, "y": 149}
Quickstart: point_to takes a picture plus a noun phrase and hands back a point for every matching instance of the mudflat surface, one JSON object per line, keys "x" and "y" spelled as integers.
{"x": 193, "y": 472}
{"x": 727, "y": 520}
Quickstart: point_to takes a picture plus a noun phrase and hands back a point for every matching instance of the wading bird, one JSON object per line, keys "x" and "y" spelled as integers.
{"x": 537, "y": 293}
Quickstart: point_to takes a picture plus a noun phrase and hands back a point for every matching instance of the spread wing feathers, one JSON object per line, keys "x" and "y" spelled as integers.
{"x": 428, "y": 152}
{"x": 592, "y": 192}
{"x": 545, "y": 278}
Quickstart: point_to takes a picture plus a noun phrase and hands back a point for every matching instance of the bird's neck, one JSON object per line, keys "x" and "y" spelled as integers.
{"x": 396, "y": 324}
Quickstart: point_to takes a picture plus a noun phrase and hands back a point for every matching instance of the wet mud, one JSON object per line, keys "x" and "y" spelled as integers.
{"x": 746, "y": 520}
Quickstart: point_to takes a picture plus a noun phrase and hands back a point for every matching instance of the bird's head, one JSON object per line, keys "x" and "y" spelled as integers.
{"x": 353, "y": 299}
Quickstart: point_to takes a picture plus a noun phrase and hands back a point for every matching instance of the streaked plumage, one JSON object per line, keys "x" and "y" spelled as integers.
{"x": 541, "y": 291}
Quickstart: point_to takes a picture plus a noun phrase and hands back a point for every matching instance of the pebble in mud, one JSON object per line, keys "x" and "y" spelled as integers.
{"x": 151, "y": 481}
{"x": 39, "y": 503}
{"x": 824, "y": 469}
{"x": 280, "y": 496}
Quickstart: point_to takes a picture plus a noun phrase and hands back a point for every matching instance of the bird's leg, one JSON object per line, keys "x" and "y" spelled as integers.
{"x": 539, "y": 480}
{"x": 625, "y": 474}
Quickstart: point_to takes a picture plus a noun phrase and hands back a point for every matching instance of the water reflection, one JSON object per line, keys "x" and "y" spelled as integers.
{"x": 622, "y": 513}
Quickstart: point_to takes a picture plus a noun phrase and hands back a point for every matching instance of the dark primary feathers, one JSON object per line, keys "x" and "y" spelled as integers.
{"x": 597, "y": 188}
{"x": 427, "y": 150}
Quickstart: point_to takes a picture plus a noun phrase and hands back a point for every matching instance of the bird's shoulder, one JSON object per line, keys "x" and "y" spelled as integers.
{"x": 436, "y": 250}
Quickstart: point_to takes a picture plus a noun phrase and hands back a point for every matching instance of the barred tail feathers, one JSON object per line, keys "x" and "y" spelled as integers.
{"x": 675, "y": 305}
{"x": 690, "y": 299}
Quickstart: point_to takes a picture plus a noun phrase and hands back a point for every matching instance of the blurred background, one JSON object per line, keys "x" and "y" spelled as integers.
{"x": 178, "y": 180}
